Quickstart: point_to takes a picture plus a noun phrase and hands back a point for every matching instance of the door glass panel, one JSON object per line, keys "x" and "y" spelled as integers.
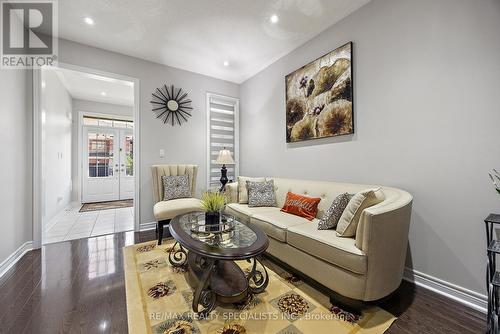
{"x": 90, "y": 121}
{"x": 105, "y": 122}
{"x": 119, "y": 124}
{"x": 100, "y": 154}
{"x": 129, "y": 155}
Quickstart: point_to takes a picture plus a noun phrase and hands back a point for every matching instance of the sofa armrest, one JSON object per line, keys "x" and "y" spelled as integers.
{"x": 382, "y": 234}
{"x": 232, "y": 192}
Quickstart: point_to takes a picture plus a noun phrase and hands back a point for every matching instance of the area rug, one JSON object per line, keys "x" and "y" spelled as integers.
{"x": 159, "y": 301}
{"x": 87, "y": 207}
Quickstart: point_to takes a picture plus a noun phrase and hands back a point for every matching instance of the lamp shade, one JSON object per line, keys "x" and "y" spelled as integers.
{"x": 224, "y": 158}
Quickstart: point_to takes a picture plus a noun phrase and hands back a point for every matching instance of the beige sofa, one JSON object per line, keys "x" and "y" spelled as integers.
{"x": 367, "y": 267}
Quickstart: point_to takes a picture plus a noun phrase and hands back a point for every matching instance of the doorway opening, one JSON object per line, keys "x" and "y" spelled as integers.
{"x": 88, "y": 168}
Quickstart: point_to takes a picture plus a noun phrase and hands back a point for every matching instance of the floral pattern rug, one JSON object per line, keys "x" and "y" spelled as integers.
{"x": 159, "y": 301}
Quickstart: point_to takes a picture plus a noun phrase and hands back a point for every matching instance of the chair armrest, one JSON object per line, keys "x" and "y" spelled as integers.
{"x": 232, "y": 192}
{"x": 382, "y": 234}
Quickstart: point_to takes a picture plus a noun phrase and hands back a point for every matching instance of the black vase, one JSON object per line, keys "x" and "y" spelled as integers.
{"x": 212, "y": 218}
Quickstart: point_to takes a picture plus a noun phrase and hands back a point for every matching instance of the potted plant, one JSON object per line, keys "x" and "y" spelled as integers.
{"x": 495, "y": 178}
{"x": 213, "y": 203}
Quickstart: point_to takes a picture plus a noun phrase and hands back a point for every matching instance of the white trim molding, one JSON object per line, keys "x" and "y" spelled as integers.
{"x": 38, "y": 128}
{"x": 147, "y": 226}
{"x": 452, "y": 291}
{"x": 14, "y": 257}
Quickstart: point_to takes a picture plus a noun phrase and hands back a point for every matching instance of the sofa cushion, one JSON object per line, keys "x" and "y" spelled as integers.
{"x": 326, "y": 245}
{"x": 276, "y": 223}
{"x": 169, "y": 209}
{"x": 244, "y": 212}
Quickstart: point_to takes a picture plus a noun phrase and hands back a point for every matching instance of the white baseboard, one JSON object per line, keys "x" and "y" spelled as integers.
{"x": 147, "y": 226}
{"x": 14, "y": 257}
{"x": 462, "y": 295}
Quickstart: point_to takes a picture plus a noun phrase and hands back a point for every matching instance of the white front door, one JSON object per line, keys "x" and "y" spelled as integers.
{"x": 107, "y": 164}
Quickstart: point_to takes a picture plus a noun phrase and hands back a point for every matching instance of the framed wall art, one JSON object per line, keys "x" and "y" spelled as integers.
{"x": 319, "y": 97}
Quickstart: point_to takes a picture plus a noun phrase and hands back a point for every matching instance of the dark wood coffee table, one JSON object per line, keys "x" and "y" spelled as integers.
{"x": 212, "y": 272}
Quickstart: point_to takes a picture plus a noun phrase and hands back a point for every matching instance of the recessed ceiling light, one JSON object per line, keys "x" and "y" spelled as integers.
{"x": 226, "y": 63}
{"x": 89, "y": 21}
{"x": 103, "y": 93}
{"x": 274, "y": 18}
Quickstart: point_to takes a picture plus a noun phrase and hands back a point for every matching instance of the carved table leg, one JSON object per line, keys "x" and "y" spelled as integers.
{"x": 203, "y": 294}
{"x": 177, "y": 257}
{"x": 258, "y": 279}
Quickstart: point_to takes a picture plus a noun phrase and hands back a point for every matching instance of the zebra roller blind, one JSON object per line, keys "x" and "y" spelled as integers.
{"x": 222, "y": 129}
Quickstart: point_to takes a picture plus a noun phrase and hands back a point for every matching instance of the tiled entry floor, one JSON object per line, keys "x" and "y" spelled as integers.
{"x": 71, "y": 224}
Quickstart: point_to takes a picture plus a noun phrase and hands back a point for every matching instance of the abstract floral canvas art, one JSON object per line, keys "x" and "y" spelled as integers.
{"x": 319, "y": 97}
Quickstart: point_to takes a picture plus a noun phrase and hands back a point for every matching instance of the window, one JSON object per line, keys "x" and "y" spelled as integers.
{"x": 222, "y": 132}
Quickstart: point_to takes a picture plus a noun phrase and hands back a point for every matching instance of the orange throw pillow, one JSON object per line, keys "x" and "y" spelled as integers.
{"x": 302, "y": 206}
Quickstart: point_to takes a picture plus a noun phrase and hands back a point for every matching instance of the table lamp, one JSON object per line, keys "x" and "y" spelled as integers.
{"x": 224, "y": 159}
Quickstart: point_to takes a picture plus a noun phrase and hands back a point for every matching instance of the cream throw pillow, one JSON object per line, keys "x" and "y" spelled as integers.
{"x": 242, "y": 187}
{"x": 348, "y": 222}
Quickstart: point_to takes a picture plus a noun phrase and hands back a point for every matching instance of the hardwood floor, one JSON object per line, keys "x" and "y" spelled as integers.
{"x": 78, "y": 287}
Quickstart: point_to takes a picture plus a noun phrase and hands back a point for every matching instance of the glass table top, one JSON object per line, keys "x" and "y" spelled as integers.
{"x": 229, "y": 234}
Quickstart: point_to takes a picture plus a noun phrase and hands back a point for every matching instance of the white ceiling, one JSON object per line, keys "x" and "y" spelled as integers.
{"x": 90, "y": 87}
{"x": 199, "y": 35}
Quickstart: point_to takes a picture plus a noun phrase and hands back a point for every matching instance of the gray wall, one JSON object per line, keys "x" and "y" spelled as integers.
{"x": 97, "y": 107}
{"x": 182, "y": 144}
{"x": 15, "y": 169}
{"x": 57, "y": 142}
{"x": 426, "y": 79}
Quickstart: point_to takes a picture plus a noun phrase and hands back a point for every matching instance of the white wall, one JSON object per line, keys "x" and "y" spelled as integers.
{"x": 94, "y": 107}
{"x": 57, "y": 145}
{"x": 184, "y": 144}
{"x": 15, "y": 170}
{"x": 426, "y": 84}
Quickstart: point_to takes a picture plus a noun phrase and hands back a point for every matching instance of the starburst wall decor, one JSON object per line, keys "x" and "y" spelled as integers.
{"x": 171, "y": 105}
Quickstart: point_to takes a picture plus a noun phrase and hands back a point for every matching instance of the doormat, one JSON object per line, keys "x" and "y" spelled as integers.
{"x": 87, "y": 207}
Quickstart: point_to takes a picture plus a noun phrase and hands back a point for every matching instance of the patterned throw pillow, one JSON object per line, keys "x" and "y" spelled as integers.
{"x": 261, "y": 193}
{"x": 302, "y": 206}
{"x": 242, "y": 187}
{"x": 175, "y": 187}
{"x": 332, "y": 215}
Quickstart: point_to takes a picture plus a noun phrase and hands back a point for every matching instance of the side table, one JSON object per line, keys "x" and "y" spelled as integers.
{"x": 492, "y": 275}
